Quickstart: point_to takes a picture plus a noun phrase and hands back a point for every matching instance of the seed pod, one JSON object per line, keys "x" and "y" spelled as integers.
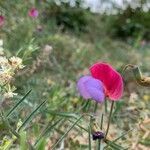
{"x": 141, "y": 80}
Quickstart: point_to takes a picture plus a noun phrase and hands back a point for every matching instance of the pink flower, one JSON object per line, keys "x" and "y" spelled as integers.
{"x": 111, "y": 79}
{"x": 33, "y": 12}
{"x": 2, "y": 19}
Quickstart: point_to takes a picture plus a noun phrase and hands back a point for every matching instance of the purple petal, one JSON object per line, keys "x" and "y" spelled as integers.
{"x": 90, "y": 87}
{"x": 96, "y": 94}
{"x": 81, "y": 87}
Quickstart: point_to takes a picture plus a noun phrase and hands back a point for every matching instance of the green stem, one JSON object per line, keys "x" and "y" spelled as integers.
{"x": 102, "y": 121}
{"x": 109, "y": 119}
{"x": 105, "y": 105}
{"x": 95, "y": 107}
{"x": 100, "y": 141}
{"x": 90, "y": 137}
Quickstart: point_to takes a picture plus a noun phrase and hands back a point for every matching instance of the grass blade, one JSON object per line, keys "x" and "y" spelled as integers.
{"x": 63, "y": 114}
{"x": 101, "y": 127}
{"x": 47, "y": 129}
{"x": 53, "y": 147}
{"x": 6, "y": 122}
{"x": 125, "y": 133}
{"x": 90, "y": 137}
{"x": 113, "y": 145}
{"x": 21, "y": 100}
{"x": 113, "y": 142}
{"x": 79, "y": 126}
{"x": 31, "y": 115}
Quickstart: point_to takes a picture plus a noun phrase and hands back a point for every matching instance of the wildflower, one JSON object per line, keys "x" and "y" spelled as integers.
{"x": 91, "y": 88}
{"x": 16, "y": 62}
{"x": 33, "y": 12}
{"x": 111, "y": 79}
{"x": 5, "y": 77}
{"x": 4, "y": 62}
{"x": 2, "y": 19}
{"x": 9, "y": 94}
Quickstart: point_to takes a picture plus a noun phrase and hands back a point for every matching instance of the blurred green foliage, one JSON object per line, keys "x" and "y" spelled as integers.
{"x": 67, "y": 17}
{"x": 78, "y": 38}
{"x": 130, "y": 23}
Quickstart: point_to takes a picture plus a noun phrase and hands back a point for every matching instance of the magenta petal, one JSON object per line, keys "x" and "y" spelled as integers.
{"x": 33, "y": 13}
{"x": 111, "y": 79}
{"x": 92, "y": 88}
{"x": 2, "y": 19}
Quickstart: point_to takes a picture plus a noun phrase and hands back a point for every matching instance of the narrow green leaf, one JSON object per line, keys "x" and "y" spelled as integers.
{"x": 101, "y": 127}
{"x": 125, "y": 133}
{"x": 89, "y": 130}
{"x": 41, "y": 145}
{"x": 23, "y": 138}
{"x": 31, "y": 115}
{"x": 95, "y": 107}
{"x": 112, "y": 142}
{"x": 63, "y": 136}
{"x": 84, "y": 105}
{"x": 79, "y": 126}
{"x": 113, "y": 145}
{"x": 47, "y": 129}
{"x": 6, "y": 122}
{"x": 63, "y": 114}
{"x": 12, "y": 110}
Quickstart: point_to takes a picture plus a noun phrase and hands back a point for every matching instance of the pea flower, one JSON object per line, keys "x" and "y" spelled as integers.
{"x": 91, "y": 88}
{"x": 33, "y": 12}
{"x": 111, "y": 79}
{"x": 2, "y": 19}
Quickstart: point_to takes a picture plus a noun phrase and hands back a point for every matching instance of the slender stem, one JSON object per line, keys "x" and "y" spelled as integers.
{"x": 102, "y": 121}
{"x": 105, "y": 105}
{"x": 100, "y": 141}
{"x": 84, "y": 106}
{"x": 109, "y": 119}
{"x": 99, "y": 144}
{"x": 89, "y": 137}
{"x": 95, "y": 107}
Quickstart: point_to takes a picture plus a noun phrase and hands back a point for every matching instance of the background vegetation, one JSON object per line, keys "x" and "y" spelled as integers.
{"x": 57, "y": 48}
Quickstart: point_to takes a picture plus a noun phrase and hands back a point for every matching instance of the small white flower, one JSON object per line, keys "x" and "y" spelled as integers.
{"x": 5, "y": 77}
{"x": 16, "y": 62}
{"x": 4, "y": 62}
{"x": 9, "y": 94}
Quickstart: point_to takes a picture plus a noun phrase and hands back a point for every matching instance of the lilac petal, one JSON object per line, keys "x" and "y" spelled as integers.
{"x": 81, "y": 87}
{"x": 96, "y": 94}
{"x": 95, "y": 89}
{"x": 90, "y": 87}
